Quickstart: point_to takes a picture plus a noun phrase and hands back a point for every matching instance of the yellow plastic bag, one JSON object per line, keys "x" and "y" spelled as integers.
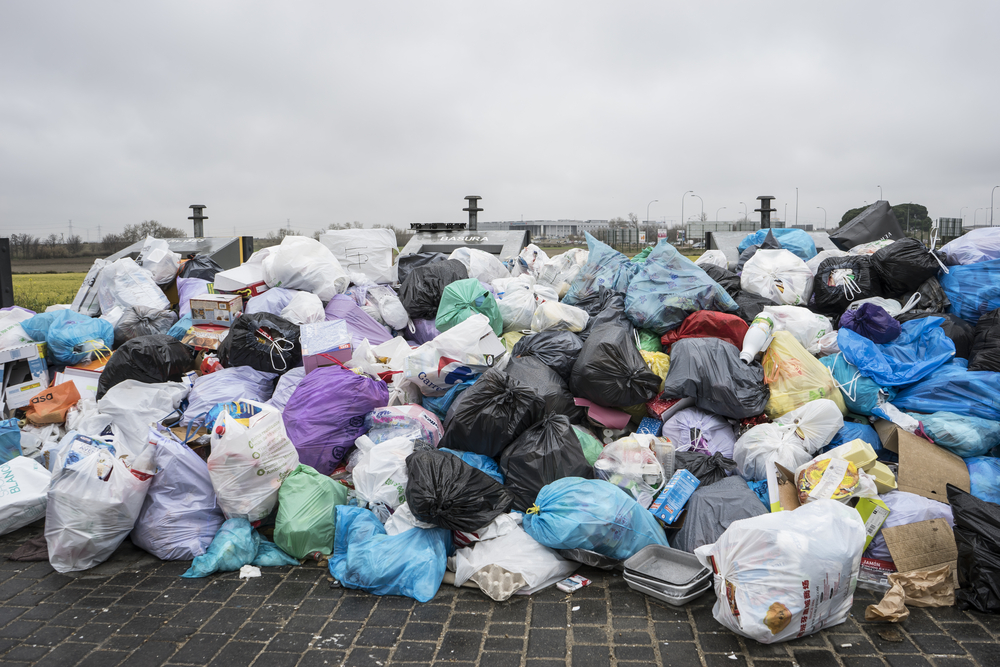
{"x": 796, "y": 377}
{"x": 659, "y": 364}
{"x": 510, "y": 339}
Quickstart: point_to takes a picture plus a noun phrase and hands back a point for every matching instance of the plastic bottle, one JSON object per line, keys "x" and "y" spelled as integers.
{"x": 756, "y": 337}
{"x": 663, "y": 448}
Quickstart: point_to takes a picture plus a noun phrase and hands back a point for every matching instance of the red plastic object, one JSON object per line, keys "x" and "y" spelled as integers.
{"x": 708, "y": 324}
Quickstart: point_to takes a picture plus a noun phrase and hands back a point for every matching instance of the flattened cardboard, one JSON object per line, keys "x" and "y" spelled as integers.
{"x": 925, "y": 545}
{"x": 781, "y": 489}
{"x": 924, "y": 468}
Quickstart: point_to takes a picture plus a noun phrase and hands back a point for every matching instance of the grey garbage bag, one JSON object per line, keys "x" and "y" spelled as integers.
{"x": 709, "y": 370}
{"x": 712, "y": 509}
{"x": 143, "y": 321}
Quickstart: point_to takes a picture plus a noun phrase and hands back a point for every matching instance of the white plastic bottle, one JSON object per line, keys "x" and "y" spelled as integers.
{"x": 756, "y": 337}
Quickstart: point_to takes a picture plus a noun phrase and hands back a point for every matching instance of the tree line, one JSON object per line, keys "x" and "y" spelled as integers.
{"x": 54, "y": 246}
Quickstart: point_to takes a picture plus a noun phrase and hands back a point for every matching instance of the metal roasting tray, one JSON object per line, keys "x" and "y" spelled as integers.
{"x": 591, "y": 558}
{"x": 669, "y": 599}
{"x": 672, "y": 567}
{"x": 666, "y": 589}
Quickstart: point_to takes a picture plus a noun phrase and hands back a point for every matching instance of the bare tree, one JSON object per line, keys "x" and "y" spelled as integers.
{"x": 74, "y": 244}
{"x": 152, "y": 228}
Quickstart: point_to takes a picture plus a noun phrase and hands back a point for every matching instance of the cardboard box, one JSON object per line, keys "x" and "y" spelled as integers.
{"x": 670, "y": 503}
{"x": 925, "y": 545}
{"x": 781, "y": 490}
{"x": 216, "y": 309}
{"x": 205, "y": 337}
{"x": 19, "y": 395}
{"x": 32, "y": 355}
{"x": 86, "y": 381}
{"x": 873, "y": 512}
{"x": 323, "y": 343}
{"x": 924, "y": 468}
{"x": 247, "y": 280}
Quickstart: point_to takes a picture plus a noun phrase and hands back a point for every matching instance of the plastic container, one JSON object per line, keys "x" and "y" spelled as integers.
{"x": 858, "y": 452}
{"x": 664, "y": 451}
{"x": 885, "y": 481}
{"x": 756, "y": 337}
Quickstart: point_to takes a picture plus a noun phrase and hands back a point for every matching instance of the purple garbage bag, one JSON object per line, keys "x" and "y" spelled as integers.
{"x": 695, "y": 430}
{"x": 360, "y": 324}
{"x": 873, "y": 322}
{"x": 326, "y": 414}
{"x": 424, "y": 331}
{"x": 272, "y": 301}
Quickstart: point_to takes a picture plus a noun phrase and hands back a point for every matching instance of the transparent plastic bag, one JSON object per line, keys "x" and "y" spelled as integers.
{"x": 631, "y": 464}
{"x": 555, "y": 316}
{"x": 157, "y": 258}
{"x": 795, "y": 377}
{"x": 778, "y": 275}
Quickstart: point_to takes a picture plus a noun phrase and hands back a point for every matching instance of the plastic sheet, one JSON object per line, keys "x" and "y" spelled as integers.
{"x": 547, "y": 451}
{"x": 411, "y": 563}
{"x": 919, "y": 350}
{"x": 710, "y": 371}
{"x": 954, "y": 388}
{"x": 669, "y": 287}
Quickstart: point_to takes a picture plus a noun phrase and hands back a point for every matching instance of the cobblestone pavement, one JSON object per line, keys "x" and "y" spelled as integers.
{"x": 136, "y": 610}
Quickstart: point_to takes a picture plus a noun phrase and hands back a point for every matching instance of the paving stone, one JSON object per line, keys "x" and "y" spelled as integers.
{"x": 459, "y": 645}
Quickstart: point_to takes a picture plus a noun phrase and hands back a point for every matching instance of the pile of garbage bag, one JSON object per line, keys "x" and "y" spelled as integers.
{"x": 508, "y": 420}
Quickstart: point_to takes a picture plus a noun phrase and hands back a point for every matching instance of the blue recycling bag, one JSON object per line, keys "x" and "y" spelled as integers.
{"x": 480, "y": 462}
{"x": 411, "y": 563}
{"x": 10, "y": 440}
{"x": 984, "y": 478}
{"x": 861, "y": 394}
{"x": 973, "y": 289}
{"x": 235, "y": 545}
{"x": 668, "y": 288}
{"x": 920, "y": 349}
{"x": 439, "y": 404}
{"x": 71, "y": 336}
{"x": 270, "y": 554}
{"x": 795, "y": 240}
{"x": 854, "y": 431}
{"x": 964, "y": 435}
{"x": 954, "y": 388}
{"x": 605, "y": 267}
{"x": 576, "y": 513}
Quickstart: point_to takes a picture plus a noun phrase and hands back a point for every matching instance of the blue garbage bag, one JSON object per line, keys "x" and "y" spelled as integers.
{"x": 854, "y": 431}
{"x": 411, "y": 563}
{"x": 920, "y": 349}
{"x": 973, "y": 289}
{"x": 71, "y": 336}
{"x": 984, "y": 478}
{"x": 180, "y": 327}
{"x": 180, "y": 515}
{"x": 234, "y": 546}
{"x": 605, "y": 267}
{"x": 760, "y": 490}
{"x": 10, "y": 440}
{"x": 576, "y": 513}
{"x": 668, "y": 288}
{"x": 480, "y": 462}
{"x": 964, "y": 435}
{"x": 796, "y": 240}
{"x": 439, "y": 405}
{"x": 954, "y": 388}
{"x": 270, "y": 554}
{"x": 861, "y": 394}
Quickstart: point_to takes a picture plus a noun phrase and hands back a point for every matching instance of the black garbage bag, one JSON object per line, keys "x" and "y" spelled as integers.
{"x": 985, "y": 354}
{"x": 841, "y": 280}
{"x": 407, "y": 263}
{"x": 904, "y": 265}
{"x": 150, "y": 359}
{"x": 547, "y": 451}
{"x": 200, "y": 266}
{"x": 444, "y": 490}
{"x": 751, "y": 305}
{"x": 532, "y": 372}
{"x": 610, "y": 371}
{"x": 712, "y": 509}
{"x": 961, "y": 333}
{"x": 874, "y": 223}
{"x": 977, "y": 536}
{"x": 556, "y": 349}
{"x": 708, "y": 469}
{"x": 709, "y": 370}
{"x": 143, "y": 321}
{"x": 609, "y": 307}
{"x": 264, "y": 341}
{"x": 726, "y": 278}
{"x": 489, "y": 415}
{"x": 421, "y": 291}
{"x": 932, "y": 299}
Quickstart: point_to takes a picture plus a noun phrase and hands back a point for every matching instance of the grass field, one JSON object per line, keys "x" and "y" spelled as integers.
{"x": 40, "y": 290}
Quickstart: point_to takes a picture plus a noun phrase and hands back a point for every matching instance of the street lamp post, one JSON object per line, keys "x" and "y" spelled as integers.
{"x": 991, "y": 203}
{"x": 880, "y": 193}
{"x": 796, "y": 206}
{"x": 647, "y": 210}
{"x": 746, "y": 216}
{"x": 975, "y": 215}
{"x": 824, "y": 215}
{"x": 682, "y": 204}
{"x": 717, "y": 213}
{"x": 960, "y": 214}
{"x": 702, "y": 205}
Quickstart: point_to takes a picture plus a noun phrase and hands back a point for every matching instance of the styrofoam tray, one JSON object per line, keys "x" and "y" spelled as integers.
{"x": 669, "y": 599}
{"x": 669, "y": 566}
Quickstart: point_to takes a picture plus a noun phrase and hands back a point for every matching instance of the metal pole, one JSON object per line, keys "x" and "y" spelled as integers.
{"x": 991, "y": 203}
{"x": 746, "y": 215}
{"x": 796, "y": 206}
{"x": 702, "y": 204}
{"x": 960, "y": 214}
{"x": 682, "y": 205}
{"x": 824, "y": 216}
{"x": 880, "y": 193}
{"x": 717, "y": 213}
{"x": 647, "y": 210}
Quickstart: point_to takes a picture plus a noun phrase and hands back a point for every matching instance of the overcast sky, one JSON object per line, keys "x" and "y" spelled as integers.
{"x": 391, "y": 112}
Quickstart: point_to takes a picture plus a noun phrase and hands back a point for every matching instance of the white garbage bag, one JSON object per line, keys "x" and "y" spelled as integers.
{"x": 11, "y": 333}
{"x": 467, "y": 349}
{"x": 124, "y": 283}
{"x": 24, "y": 488}
{"x": 778, "y": 275}
{"x": 304, "y": 264}
{"x": 305, "y": 307}
{"x": 365, "y": 251}
{"x": 86, "y": 299}
{"x": 133, "y": 405}
{"x": 530, "y": 261}
{"x": 157, "y": 258}
{"x": 480, "y": 264}
{"x": 814, "y": 263}
{"x": 807, "y": 327}
{"x": 792, "y": 440}
{"x": 92, "y": 506}
{"x": 249, "y": 462}
{"x": 561, "y": 270}
{"x": 503, "y": 285}
{"x": 380, "y": 475}
{"x": 390, "y": 308}
{"x": 552, "y": 315}
{"x": 403, "y": 520}
{"x": 712, "y": 257}
{"x": 785, "y": 575}
{"x": 517, "y": 307}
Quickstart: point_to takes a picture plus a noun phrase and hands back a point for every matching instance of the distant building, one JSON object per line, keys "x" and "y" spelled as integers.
{"x": 553, "y": 229}
{"x": 805, "y": 228}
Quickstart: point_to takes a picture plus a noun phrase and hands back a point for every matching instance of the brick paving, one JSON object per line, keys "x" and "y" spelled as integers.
{"x": 136, "y": 610}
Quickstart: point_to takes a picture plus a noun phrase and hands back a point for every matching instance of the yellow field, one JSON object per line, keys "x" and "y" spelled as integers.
{"x": 39, "y": 290}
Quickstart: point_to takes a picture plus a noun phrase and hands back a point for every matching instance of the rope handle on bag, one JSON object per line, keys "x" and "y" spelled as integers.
{"x": 534, "y": 509}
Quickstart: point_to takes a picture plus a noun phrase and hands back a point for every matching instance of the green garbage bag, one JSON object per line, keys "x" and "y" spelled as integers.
{"x": 592, "y": 447}
{"x": 463, "y": 298}
{"x": 649, "y": 341}
{"x": 640, "y": 258}
{"x": 306, "y": 512}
